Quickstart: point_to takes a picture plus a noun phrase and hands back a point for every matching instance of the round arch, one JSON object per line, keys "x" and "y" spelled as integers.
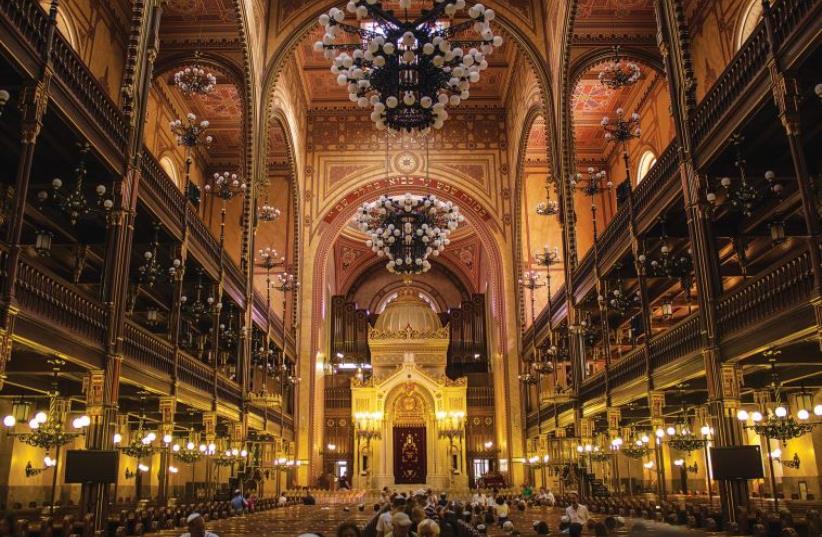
{"x": 171, "y": 168}
{"x": 533, "y": 114}
{"x": 331, "y": 230}
{"x": 285, "y": 50}
{"x": 369, "y": 271}
{"x": 646, "y": 161}
{"x": 750, "y": 17}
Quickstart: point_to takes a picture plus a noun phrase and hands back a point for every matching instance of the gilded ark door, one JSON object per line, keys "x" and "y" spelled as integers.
{"x": 409, "y": 455}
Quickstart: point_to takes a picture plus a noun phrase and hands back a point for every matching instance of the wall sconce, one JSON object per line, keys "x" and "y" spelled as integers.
{"x": 42, "y": 242}
{"x": 48, "y": 463}
{"x": 129, "y": 474}
{"x": 4, "y": 100}
{"x": 681, "y": 464}
{"x": 793, "y": 462}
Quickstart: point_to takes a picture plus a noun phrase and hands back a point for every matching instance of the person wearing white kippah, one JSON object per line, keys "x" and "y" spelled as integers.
{"x": 196, "y": 527}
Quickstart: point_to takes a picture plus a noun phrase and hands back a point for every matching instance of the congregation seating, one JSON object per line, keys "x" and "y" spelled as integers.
{"x": 127, "y": 522}
{"x": 700, "y": 515}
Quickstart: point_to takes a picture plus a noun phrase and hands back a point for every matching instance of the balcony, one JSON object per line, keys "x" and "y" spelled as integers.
{"x": 75, "y": 324}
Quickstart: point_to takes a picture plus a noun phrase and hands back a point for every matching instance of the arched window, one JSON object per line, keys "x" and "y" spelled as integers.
{"x": 168, "y": 166}
{"x": 646, "y": 162}
{"x": 751, "y": 16}
{"x": 65, "y": 25}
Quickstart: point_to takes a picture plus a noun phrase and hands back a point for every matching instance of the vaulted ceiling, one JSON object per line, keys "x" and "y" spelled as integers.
{"x": 322, "y": 90}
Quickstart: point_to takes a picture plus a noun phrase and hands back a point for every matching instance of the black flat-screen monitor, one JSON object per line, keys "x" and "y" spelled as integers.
{"x": 91, "y": 466}
{"x": 736, "y": 463}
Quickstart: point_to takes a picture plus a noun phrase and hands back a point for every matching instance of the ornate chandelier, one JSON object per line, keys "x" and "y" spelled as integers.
{"x": 619, "y": 73}
{"x": 408, "y": 69}
{"x": 408, "y": 230}
{"x": 141, "y": 443}
{"x": 74, "y": 202}
{"x": 194, "y": 79}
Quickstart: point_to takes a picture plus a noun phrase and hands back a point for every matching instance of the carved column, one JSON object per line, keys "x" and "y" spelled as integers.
{"x": 120, "y": 232}
{"x": 168, "y": 407}
{"x": 656, "y": 403}
{"x": 614, "y": 415}
{"x": 33, "y": 101}
{"x": 175, "y": 314}
{"x": 723, "y": 402}
{"x": 99, "y": 434}
{"x": 787, "y": 97}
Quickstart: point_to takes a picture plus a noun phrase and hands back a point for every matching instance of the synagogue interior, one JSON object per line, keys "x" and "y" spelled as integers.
{"x": 325, "y": 253}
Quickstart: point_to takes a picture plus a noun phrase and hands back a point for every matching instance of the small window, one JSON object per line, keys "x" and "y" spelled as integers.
{"x": 750, "y": 18}
{"x": 646, "y": 162}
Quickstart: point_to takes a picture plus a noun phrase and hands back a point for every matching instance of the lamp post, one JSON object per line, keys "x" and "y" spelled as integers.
{"x": 286, "y": 283}
{"x": 367, "y": 426}
{"x": 451, "y": 425}
{"x": 595, "y": 184}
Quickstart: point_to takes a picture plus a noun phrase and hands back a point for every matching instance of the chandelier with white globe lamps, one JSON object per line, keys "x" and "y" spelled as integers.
{"x": 407, "y": 69}
{"x": 407, "y": 230}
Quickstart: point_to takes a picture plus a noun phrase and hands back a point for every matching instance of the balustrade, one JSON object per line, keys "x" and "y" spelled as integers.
{"x": 744, "y": 67}
{"x": 157, "y": 188}
{"x": 195, "y": 373}
{"x": 616, "y": 230}
{"x": 229, "y": 391}
{"x": 628, "y": 368}
{"x": 660, "y": 179}
{"x": 53, "y": 301}
{"x": 787, "y": 15}
{"x": 72, "y": 71}
{"x": 592, "y": 387}
{"x": 148, "y": 350}
{"x": 30, "y": 21}
{"x": 678, "y": 341}
{"x": 787, "y": 285}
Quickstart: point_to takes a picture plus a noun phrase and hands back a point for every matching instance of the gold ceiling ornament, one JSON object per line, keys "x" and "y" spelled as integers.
{"x": 408, "y": 68}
